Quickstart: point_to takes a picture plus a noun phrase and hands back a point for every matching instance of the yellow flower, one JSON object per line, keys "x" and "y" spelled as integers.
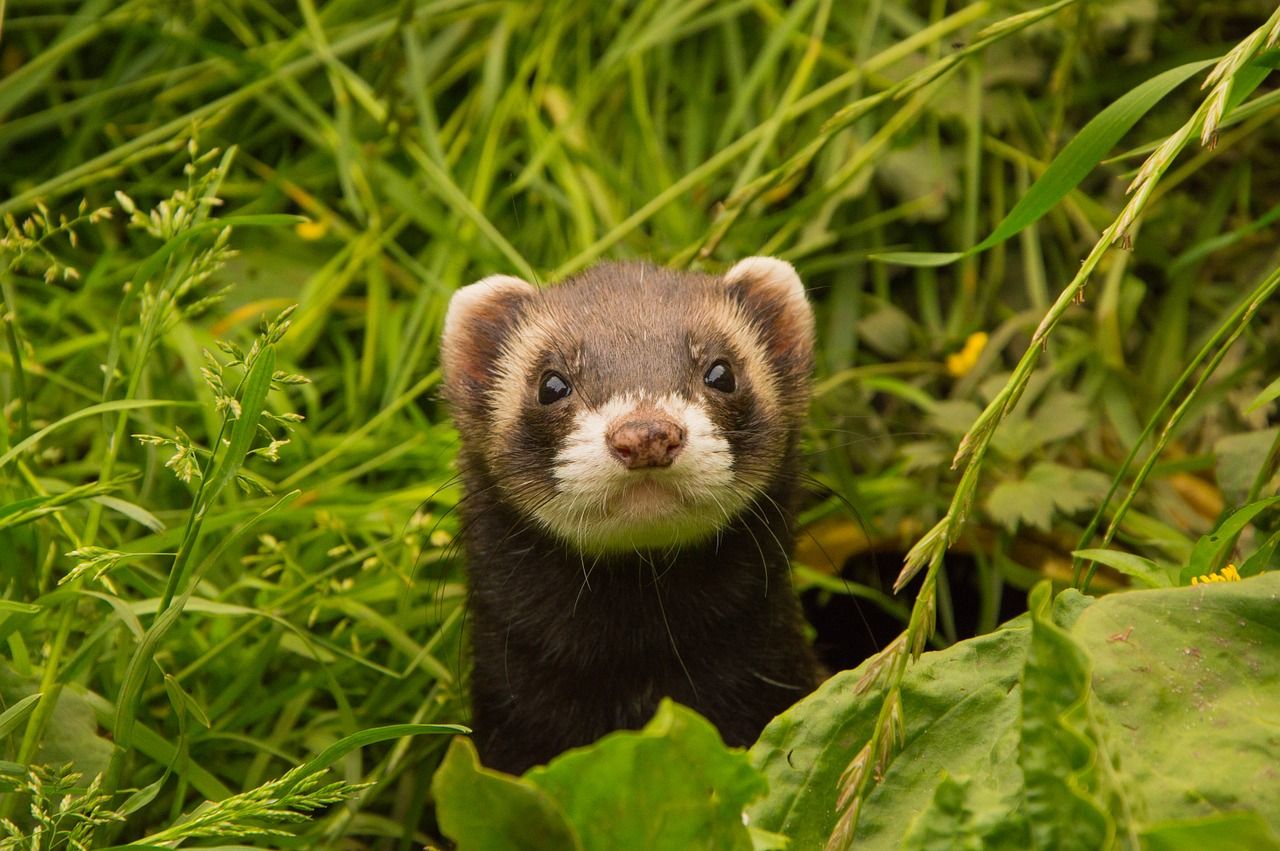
{"x": 311, "y": 229}
{"x": 1227, "y": 574}
{"x": 959, "y": 363}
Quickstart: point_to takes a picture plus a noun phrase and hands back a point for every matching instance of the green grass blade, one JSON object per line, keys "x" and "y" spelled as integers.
{"x": 91, "y": 411}
{"x": 14, "y": 715}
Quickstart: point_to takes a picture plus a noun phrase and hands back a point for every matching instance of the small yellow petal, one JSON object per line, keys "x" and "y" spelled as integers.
{"x": 1227, "y": 574}
{"x": 961, "y": 362}
{"x": 311, "y": 229}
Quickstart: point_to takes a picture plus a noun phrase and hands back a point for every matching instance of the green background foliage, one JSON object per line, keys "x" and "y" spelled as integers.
{"x": 228, "y": 552}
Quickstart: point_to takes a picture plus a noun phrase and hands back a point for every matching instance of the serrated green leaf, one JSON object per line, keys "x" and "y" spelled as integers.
{"x": 1020, "y": 502}
{"x": 954, "y": 416}
{"x": 1046, "y": 488}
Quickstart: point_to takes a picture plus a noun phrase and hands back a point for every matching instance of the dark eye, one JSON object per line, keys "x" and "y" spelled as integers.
{"x": 554, "y": 388}
{"x": 720, "y": 377}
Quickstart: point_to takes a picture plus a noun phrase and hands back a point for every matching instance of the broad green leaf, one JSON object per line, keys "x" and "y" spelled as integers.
{"x": 1208, "y": 552}
{"x": 71, "y": 733}
{"x": 1187, "y": 682}
{"x": 673, "y": 785}
{"x": 1142, "y": 569}
{"x": 1220, "y": 832}
{"x": 961, "y": 712}
{"x": 480, "y": 809}
{"x": 948, "y": 822}
{"x": 1071, "y": 166}
{"x": 1057, "y": 757}
{"x": 1183, "y": 688}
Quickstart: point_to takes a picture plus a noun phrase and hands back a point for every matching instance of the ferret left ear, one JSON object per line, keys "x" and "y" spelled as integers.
{"x": 480, "y": 317}
{"x": 773, "y": 295}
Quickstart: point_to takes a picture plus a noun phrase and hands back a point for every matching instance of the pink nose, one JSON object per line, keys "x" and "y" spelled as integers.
{"x": 645, "y": 443}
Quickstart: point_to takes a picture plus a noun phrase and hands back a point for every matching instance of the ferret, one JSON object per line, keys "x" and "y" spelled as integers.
{"x": 629, "y": 459}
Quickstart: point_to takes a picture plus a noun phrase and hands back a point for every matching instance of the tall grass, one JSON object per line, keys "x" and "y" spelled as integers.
{"x": 227, "y": 549}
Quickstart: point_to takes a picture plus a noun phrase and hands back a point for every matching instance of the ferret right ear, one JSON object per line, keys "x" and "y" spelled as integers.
{"x": 773, "y": 295}
{"x": 480, "y": 317}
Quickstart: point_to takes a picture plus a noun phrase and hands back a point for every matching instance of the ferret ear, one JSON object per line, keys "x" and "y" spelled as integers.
{"x": 772, "y": 294}
{"x": 480, "y": 317}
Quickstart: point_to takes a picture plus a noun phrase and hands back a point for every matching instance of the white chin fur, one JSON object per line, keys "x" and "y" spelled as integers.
{"x": 601, "y": 506}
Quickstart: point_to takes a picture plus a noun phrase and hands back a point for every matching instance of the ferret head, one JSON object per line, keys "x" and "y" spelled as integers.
{"x": 631, "y": 407}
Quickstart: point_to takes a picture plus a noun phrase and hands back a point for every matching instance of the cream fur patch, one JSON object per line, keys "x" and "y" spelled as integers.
{"x": 600, "y": 505}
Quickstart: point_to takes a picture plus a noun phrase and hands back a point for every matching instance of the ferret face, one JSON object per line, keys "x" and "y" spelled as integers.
{"x": 631, "y": 407}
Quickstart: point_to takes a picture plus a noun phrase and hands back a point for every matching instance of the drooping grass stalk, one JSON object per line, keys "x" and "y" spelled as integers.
{"x": 221, "y": 469}
{"x": 889, "y": 666}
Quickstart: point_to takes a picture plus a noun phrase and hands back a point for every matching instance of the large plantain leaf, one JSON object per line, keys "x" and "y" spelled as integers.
{"x": 1188, "y": 682}
{"x": 673, "y": 785}
{"x": 1176, "y": 722}
{"x": 1057, "y": 750}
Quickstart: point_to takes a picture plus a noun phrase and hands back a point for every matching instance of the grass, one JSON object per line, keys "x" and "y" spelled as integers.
{"x": 196, "y": 612}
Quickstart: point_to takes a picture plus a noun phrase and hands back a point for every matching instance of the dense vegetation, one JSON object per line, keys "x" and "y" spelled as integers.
{"x": 232, "y": 597}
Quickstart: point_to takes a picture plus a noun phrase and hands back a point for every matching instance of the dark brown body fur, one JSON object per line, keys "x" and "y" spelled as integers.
{"x": 568, "y": 649}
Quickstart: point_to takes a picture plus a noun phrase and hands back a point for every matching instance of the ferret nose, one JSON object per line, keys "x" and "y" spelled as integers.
{"x": 645, "y": 443}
